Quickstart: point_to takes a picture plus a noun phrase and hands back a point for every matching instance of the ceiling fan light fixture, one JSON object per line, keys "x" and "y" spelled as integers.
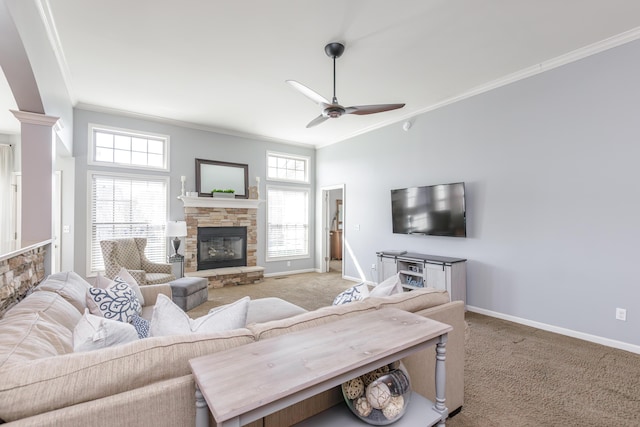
{"x": 334, "y": 110}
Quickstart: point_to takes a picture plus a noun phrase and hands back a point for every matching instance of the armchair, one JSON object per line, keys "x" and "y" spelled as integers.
{"x": 129, "y": 253}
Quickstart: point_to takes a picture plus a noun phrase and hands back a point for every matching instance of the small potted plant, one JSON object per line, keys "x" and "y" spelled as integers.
{"x": 228, "y": 194}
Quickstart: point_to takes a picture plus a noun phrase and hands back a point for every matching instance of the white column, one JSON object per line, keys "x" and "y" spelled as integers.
{"x": 37, "y": 141}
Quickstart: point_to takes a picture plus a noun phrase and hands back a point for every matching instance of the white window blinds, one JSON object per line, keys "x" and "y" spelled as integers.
{"x": 287, "y": 223}
{"x": 127, "y": 206}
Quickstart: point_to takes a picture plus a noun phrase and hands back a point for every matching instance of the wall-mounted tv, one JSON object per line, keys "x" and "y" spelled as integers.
{"x": 436, "y": 210}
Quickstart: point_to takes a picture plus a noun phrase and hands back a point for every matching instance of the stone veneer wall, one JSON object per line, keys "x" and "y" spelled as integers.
{"x": 219, "y": 217}
{"x": 19, "y": 275}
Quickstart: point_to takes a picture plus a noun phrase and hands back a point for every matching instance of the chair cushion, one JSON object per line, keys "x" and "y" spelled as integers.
{"x": 158, "y": 278}
{"x": 128, "y": 255}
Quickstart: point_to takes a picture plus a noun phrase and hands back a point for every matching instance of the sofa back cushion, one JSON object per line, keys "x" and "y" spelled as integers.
{"x": 68, "y": 285}
{"x": 39, "y": 326}
{"x": 50, "y": 306}
{"x": 82, "y": 377}
{"x": 413, "y": 301}
{"x": 309, "y": 319}
{"x": 29, "y": 337}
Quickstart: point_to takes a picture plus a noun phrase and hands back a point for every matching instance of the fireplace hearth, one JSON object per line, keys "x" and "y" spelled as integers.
{"x": 219, "y": 247}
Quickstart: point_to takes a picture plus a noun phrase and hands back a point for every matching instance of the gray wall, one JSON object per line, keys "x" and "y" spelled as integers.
{"x": 551, "y": 171}
{"x": 186, "y": 144}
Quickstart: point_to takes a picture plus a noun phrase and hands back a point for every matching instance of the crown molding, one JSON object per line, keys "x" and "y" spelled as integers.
{"x": 35, "y": 118}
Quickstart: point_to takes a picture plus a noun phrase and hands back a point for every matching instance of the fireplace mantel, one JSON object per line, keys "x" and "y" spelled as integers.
{"x": 214, "y": 202}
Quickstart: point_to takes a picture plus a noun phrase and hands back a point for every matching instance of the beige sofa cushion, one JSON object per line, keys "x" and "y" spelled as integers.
{"x": 266, "y": 309}
{"x": 50, "y": 306}
{"x": 50, "y": 383}
{"x": 312, "y": 318}
{"x": 68, "y": 285}
{"x": 28, "y": 337}
{"x": 409, "y": 301}
{"x": 413, "y": 301}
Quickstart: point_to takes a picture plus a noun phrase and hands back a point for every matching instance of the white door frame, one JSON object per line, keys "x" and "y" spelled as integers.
{"x": 326, "y": 225}
{"x": 56, "y": 215}
{"x": 17, "y": 210}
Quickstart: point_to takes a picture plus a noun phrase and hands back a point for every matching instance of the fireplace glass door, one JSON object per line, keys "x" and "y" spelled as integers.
{"x": 220, "y": 247}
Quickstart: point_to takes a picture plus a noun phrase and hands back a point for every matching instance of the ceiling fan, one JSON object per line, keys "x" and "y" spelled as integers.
{"x": 333, "y": 110}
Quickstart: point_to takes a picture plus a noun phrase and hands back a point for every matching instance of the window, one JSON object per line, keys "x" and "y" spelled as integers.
{"x": 123, "y": 148}
{"x": 287, "y": 223}
{"x": 287, "y": 167}
{"x": 127, "y": 206}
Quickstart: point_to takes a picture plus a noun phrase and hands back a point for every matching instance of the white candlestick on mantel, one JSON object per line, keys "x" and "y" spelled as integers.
{"x": 183, "y": 179}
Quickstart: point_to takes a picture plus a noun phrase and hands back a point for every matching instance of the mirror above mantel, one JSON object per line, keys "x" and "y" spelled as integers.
{"x": 212, "y": 174}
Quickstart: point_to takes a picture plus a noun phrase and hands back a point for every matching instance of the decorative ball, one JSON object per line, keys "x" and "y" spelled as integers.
{"x": 378, "y": 394}
{"x": 394, "y": 408}
{"x": 362, "y": 407}
{"x": 379, "y": 397}
{"x": 353, "y": 389}
{"x": 370, "y": 377}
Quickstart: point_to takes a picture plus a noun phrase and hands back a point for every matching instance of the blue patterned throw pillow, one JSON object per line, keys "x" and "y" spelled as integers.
{"x": 141, "y": 325}
{"x": 117, "y": 302}
{"x": 354, "y": 293}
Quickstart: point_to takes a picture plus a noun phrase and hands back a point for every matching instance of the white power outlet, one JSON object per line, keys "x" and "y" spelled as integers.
{"x": 621, "y": 314}
{"x": 373, "y": 266}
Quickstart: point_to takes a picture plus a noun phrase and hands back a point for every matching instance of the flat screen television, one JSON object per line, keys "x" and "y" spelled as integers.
{"x": 436, "y": 210}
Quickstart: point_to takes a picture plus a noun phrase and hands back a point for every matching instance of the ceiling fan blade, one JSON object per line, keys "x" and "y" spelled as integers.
{"x": 317, "y": 121}
{"x": 312, "y": 95}
{"x": 371, "y": 109}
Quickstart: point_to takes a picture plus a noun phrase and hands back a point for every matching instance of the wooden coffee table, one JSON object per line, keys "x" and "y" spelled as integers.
{"x": 246, "y": 383}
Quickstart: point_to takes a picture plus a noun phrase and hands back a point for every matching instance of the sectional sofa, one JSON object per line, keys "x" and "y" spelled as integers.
{"x": 148, "y": 382}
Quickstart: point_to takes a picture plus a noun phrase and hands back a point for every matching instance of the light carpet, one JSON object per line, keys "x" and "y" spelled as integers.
{"x": 515, "y": 375}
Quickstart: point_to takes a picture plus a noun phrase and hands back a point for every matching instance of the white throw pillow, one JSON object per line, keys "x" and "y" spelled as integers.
{"x": 169, "y": 319}
{"x": 124, "y": 275}
{"x": 117, "y": 302}
{"x": 354, "y": 293}
{"x": 95, "y": 332}
{"x": 387, "y": 287}
{"x": 102, "y": 282}
{"x": 127, "y": 277}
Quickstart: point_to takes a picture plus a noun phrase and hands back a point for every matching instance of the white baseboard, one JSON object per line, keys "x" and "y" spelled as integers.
{"x": 357, "y": 280}
{"x": 289, "y": 273}
{"x": 558, "y": 330}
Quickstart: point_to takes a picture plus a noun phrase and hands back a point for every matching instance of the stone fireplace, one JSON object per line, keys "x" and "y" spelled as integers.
{"x": 225, "y": 217}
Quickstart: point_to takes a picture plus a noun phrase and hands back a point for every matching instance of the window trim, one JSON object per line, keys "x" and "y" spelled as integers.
{"x": 129, "y": 132}
{"x": 267, "y": 258}
{"x": 305, "y": 159}
{"x": 90, "y": 199}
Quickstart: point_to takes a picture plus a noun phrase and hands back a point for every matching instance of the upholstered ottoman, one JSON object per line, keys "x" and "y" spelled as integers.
{"x": 189, "y": 292}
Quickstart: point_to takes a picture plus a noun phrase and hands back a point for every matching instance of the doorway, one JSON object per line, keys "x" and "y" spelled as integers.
{"x": 333, "y": 201}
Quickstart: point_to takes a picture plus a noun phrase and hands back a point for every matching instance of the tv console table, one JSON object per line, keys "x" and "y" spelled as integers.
{"x": 420, "y": 270}
{"x": 246, "y": 383}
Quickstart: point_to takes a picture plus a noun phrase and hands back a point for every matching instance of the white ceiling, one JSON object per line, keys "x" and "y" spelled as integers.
{"x": 222, "y": 65}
